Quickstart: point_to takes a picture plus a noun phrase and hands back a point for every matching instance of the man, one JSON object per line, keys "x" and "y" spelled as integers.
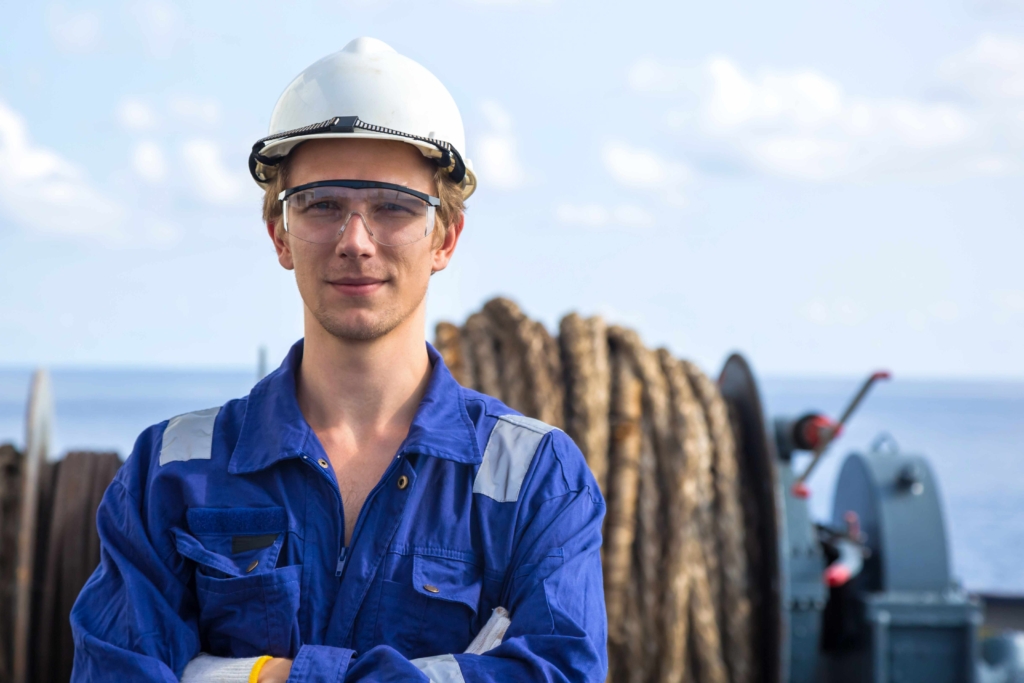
{"x": 359, "y": 516}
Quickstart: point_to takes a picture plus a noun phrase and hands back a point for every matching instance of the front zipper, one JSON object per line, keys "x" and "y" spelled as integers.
{"x": 344, "y": 552}
{"x": 341, "y": 562}
{"x": 341, "y": 511}
{"x": 369, "y": 499}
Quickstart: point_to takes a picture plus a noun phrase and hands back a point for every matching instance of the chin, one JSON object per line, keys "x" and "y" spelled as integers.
{"x": 359, "y": 325}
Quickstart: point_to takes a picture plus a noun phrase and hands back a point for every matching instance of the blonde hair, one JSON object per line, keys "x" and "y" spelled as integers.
{"x": 451, "y": 209}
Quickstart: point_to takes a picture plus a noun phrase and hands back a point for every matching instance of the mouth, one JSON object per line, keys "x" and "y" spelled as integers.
{"x": 357, "y": 286}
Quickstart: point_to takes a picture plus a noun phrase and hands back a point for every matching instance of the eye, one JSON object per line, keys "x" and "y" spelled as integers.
{"x": 322, "y": 205}
{"x": 396, "y": 208}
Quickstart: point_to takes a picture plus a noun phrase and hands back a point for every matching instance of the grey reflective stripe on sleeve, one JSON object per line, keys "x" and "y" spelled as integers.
{"x": 507, "y": 457}
{"x": 189, "y": 436}
{"x": 440, "y": 669}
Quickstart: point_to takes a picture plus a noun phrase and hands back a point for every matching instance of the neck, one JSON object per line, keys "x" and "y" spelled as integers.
{"x": 364, "y": 387}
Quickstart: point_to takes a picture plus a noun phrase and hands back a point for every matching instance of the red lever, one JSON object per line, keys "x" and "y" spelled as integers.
{"x": 801, "y": 491}
{"x": 814, "y": 429}
{"x": 836, "y": 575}
{"x": 825, "y": 436}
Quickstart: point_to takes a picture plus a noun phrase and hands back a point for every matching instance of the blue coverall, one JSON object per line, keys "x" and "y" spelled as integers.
{"x": 224, "y": 533}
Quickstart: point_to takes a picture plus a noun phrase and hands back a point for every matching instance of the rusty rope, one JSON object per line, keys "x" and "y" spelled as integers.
{"x": 658, "y": 438}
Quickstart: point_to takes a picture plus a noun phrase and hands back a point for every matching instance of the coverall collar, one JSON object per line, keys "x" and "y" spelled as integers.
{"x": 274, "y": 428}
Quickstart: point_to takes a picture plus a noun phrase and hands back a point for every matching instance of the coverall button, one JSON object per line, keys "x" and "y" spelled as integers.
{"x": 252, "y": 566}
{"x": 403, "y": 481}
{"x": 322, "y": 463}
{"x": 431, "y": 589}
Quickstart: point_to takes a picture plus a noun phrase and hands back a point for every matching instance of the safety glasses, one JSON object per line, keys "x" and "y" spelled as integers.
{"x": 394, "y": 215}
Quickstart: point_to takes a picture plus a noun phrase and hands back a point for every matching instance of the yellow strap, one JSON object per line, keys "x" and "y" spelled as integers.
{"x": 254, "y": 675}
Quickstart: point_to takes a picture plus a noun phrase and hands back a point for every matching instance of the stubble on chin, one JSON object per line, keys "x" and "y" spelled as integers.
{"x": 358, "y": 329}
{"x": 381, "y": 321}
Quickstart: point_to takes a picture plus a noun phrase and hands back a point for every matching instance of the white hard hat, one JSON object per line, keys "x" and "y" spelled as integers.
{"x": 367, "y": 90}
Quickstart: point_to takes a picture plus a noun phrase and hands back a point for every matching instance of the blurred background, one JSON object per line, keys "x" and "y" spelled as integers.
{"x": 830, "y": 188}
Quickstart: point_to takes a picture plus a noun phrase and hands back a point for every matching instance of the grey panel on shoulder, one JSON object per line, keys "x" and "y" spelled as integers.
{"x": 507, "y": 457}
{"x": 189, "y": 436}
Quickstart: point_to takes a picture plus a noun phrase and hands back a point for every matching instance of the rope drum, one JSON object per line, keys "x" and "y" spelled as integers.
{"x": 659, "y": 439}
{"x": 66, "y": 551}
{"x": 10, "y": 500}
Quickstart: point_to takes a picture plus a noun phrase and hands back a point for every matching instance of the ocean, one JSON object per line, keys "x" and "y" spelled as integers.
{"x": 972, "y": 433}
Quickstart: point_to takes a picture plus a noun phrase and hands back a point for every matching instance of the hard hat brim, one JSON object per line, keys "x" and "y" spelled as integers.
{"x": 267, "y": 151}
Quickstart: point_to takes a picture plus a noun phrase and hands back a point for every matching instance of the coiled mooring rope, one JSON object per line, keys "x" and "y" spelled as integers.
{"x": 658, "y": 438}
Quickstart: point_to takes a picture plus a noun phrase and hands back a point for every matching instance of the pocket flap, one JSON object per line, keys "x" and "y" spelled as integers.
{"x": 442, "y": 578}
{"x": 192, "y": 549}
{"x": 272, "y": 520}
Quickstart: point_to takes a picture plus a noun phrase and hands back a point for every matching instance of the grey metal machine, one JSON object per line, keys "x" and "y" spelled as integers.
{"x": 868, "y": 597}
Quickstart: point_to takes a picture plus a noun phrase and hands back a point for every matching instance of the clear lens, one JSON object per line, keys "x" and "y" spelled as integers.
{"x": 393, "y": 218}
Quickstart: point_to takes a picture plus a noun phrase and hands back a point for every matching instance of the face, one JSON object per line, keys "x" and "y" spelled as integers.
{"x": 356, "y": 289}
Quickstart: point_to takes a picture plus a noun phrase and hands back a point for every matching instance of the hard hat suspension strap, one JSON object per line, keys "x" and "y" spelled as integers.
{"x": 450, "y": 159}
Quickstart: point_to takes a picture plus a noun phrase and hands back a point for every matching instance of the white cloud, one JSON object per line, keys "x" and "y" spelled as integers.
{"x": 160, "y": 24}
{"x": 803, "y": 97}
{"x": 498, "y": 162}
{"x": 499, "y": 119}
{"x": 644, "y": 169}
{"x": 801, "y": 124}
{"x": 991, "y": 70}
{"x": 496, "y": 157}
{"x": 136, "y": 115}
{"x": 196, "y": 111}
{"x": 599, "y": 215}
{"x": 73, "y": 31}
{"x": 211, "y": 178}
{"x": 45, "y": 192}
{"x": 148, "y": 161}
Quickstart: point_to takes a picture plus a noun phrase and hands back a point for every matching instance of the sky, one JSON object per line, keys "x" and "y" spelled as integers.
{"x": 828, "y": 187}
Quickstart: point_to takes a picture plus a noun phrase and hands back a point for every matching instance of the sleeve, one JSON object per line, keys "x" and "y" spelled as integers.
{"x": 558, "y": 629}
{"x": 135, "y": 619}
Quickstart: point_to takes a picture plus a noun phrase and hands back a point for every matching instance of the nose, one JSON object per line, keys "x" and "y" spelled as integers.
{"x": 355, "y": 240}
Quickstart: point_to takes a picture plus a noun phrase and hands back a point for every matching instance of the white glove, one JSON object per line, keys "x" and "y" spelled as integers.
{"x": 209, "y": 669}
{"x": 491, "y": 634}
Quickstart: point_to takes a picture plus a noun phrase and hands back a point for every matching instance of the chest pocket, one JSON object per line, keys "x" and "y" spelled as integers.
{"x": 248, "y": 606}
{"x": 430, "y": 604}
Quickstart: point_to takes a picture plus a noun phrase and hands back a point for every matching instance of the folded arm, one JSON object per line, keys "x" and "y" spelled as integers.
{"x": 135, "y": 619}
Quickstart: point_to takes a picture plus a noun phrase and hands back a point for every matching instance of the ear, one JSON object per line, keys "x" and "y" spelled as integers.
{"x": 280, "y": 240}
{"x": 443, "y": 252}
